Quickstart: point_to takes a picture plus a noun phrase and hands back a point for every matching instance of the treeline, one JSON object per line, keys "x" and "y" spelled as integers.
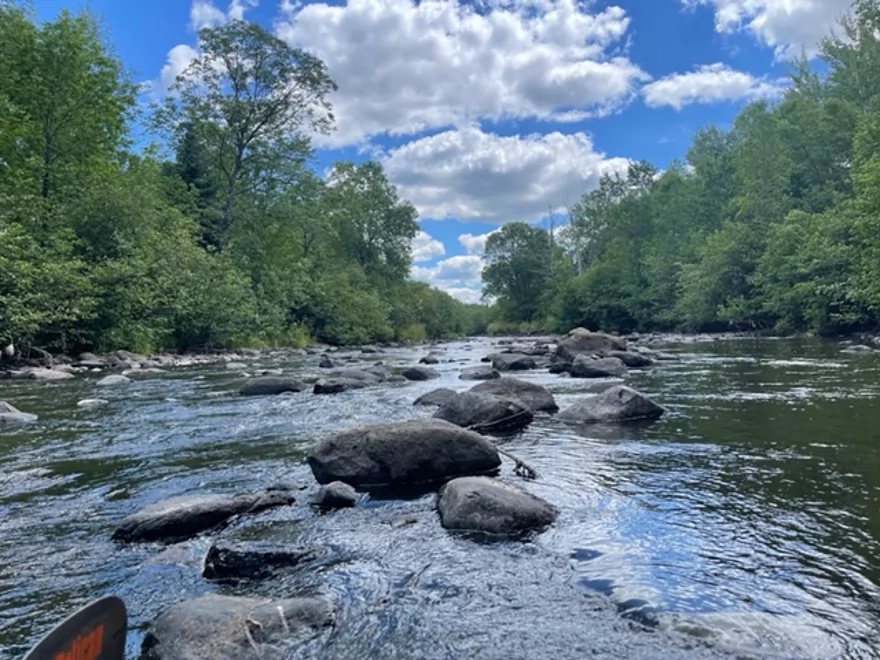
{"x": 226, "y": 238}
{"x": 774, "y": 224}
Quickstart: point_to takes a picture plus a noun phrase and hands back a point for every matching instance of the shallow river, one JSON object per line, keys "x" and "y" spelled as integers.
{"x": 747, "y": 518}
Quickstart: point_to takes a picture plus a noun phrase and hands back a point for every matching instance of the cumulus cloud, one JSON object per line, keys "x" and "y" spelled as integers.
{"x": 475, "y": 243}
{"x": 176, "y": 62}
{"x": 460, "y": 276}
{"x": 710, "y": 83}
{"x": 470, "y": 174}
{"x": 405, "y": 66}
{"x": 788, "y": 26}
{"x": 425, "y": 247}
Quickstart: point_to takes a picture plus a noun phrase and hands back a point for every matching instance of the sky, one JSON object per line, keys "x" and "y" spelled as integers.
{"x": 491, "y": 111}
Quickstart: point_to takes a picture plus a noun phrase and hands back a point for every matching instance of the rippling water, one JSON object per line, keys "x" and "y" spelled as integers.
{"x": 747, "y": 519}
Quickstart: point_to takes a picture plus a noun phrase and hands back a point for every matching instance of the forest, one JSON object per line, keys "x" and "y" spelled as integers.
{"x": 772, "y": 225}
{"x": 214, "y": 231}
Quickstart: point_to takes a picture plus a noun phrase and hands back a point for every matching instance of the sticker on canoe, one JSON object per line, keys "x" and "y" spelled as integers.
{"x": 95, "y": 632}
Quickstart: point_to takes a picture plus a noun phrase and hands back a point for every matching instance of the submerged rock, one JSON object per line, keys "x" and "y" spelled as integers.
{"x": 420, "y": 373}
{"x": 537, "y": 398}
{"x": 271, "y": 385}
{"x": 12, "y": 416}
{"x": 184, "y": 516}
{"x": 115, "y": 379}
{"x": 234, "y": 628}
{"x": 337, "y": 385}
{"x": 91, "y": 403}
{"x": 254, "y": 560}
{"x": 513, "y": 362}
{"x": 490, "y": 506}
{"x": 587, "y": 367}
{"x": 480, "y": 373}
{"x": 410, "y": 453}
{"x": 485, "y": 412}
{"x": 435, "y": 397}
{"x": 583, "y": 342}
{"x": 335, "y": 495}
{"x": 616, "y": 404}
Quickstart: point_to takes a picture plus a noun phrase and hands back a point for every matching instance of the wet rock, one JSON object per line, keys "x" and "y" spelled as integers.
{"x": 112, "y": 381}
{"x": 435, "y": 397}
{"x": 587, "y": 367}
{"x": 255, "y": 560}
{"x": 513, "y": 362}
{"x": 88, "y": 357}
{"x": 430, "y": 358}
{"x": 616, "y": 404}
{"x": 480, "y": 373}
{"x": 335, "y": 495}
{"x": 42, "y": 374}
{"x": 234, "y": 628}
{"x": 560, "y": 368}
{"x": 640, "y": 611}
{"x": 485, "y": 412}
{"x": 381, "y": 373}
{"x": 410, "y": 453}
{"x": 185, "y": 516}
{"x": 91, "y": 364}
{"x": 403, "y": 520}
{"x": 631, "y": 359}
{"x": 537, "y": 398}
{"x": 338, "y": 385}
{"x": 420, "y": 373}
{"x": 271, "y": 385}
{"x": 91, "y": 403}
{"x": 12, "y": 416}
{"x": 326, "y": 362}
{"x": 583, "y": 342}
{"x": 364, "y": 375}
{"x": 490, "y": 506}
{"x": 369, "y": 350}
{"x": 286, "y": 485}
{"x": 236, "y": 366}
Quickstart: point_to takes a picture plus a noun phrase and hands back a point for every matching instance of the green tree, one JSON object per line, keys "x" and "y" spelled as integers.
{"x": 518, "y": 268}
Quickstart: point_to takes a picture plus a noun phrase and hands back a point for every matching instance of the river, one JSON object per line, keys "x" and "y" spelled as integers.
{"x": 748, "y": 517}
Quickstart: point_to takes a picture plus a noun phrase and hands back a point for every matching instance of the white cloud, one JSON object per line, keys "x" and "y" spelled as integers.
{"x": 237, "y": 8}
{"x": 475, "y": 243}
{"x": 460, "y": 276}
{"x": 425, "y": 247}
{"x": 176, "y": 62}
{"x": 470, "y": 174}
{"x": 404, "y": 66}
{"x": 710, "y": 83}
{"x": 204, "y": 14}
{"x": 788, "y": 26}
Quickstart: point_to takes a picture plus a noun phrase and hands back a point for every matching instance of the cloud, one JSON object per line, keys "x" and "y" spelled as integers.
{"x": 460, "y": 276}
{"x": 204, "y": 14}
{"x": 470, "y": 174}
{"x": 788, "y": 26}
{"x": 425, "y": 247}
{"x": 710, "y": 83}
{"x": 404, "y": 67}
{"x": 475, "y": 244}
{"x": 176, "y": 62}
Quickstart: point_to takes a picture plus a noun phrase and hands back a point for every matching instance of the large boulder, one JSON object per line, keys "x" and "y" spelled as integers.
{"x": 616, "y": 404}
{"x": 410, "y": 453}
{"x": 254, "y": 559}
{"x": 185, "y": 516}
{"x": 485, "y": 412}
{"x": 420, "y": 373}
{"x": 587, "y": 367}
{"x": 537, "y": 398}
{"x": 435, "y": 397}
{"x": 269, "y": 385}
{"x": 337, "y": 385}
{"x": 482, "y": 372}
{"x": 513, "y": 362}
{"x": 584, "y": 342}
{"x": 481, "y": 504}
{"x": 234, "y": 628}
{"x": 12, "y": 416}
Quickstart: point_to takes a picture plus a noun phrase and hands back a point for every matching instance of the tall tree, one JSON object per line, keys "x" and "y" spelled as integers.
{"x": 518, "y": 269}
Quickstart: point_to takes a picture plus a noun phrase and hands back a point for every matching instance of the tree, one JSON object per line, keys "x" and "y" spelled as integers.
{"x": 518, "y": 268}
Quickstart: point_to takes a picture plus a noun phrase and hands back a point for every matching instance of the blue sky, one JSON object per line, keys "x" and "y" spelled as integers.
{"x": 490, "y": 111}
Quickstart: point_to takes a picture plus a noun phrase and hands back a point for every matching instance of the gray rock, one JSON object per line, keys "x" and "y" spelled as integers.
{"x": 234, "y": 628}
{"x": 481, "y": 504}
{"x": 369, "y": 350}
{"x": 360, "y": 374}
{"x": 537, "y": 398}
{"x": 88, "y": 357}
{"x": 435, "y": 397}
{"x": 39, "y": 373}
{"x": 631, "y": 359}
{"x": 271, "y": 385}
{"x": 485, "y": 412}
{"x": 586, "y": 367}
{"x": 326, "y": 362}
{"x": 513, "y": 362}
{"x": 335, "y": 495}
{"x": 337, "y": 385}
{"x": 430, "y": 358}
{"x": 184, "y": 516}
{"x": 12, "y": 416}
{"x": 616, "y": 404}
{"x": 420, "y": 373}
{"x": 410, "y": 453}
{"x": 91, "y": 403}
{"x": 254, "y": 560}
{"x": 858, "y": 348}
{"x": 560, "y": 368}
{"x": 480, "y": 373}
{"x": 381, "y": 373}
{"x": 111, "y": 381}
{"x": 584, "y": 342}
{"x": 236, "y": 366}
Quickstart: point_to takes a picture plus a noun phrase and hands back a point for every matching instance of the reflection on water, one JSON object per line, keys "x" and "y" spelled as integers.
{"x": 747, "y": 519}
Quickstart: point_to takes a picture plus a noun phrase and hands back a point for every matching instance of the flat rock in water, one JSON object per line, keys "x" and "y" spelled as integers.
{"x": 91, "y": 403}
{"x": 583, "y": 342}
{"x": 234, "y": 628}
{"x": 632, "y": 359}
{"x": 420, "y": 373}
{"x": 39, "y": 373}
{"x": 365, "y": 375}
{"x": 480, "y": 373}
{"x": 12, "y": 416}
{"x": 184, "y": 516}
{"x": 586, "y": 367}
{"x": 270, "y": 385}
{"x": 858, "y": 348}
{"x": 616, "y": 404}
{"x": 536, "y": 397}
{"x": 435, "y": 397}
{"x": 490, "y": 506}
{"x": 115, "y": 379}
{"x": 336, "y": 495}
{"x": 398, "y": 454}
{"x": 236, "y": 366}
{"x": 337, "y": 385}
{"x": 254, "y": 560}
{"x": 485, "y": 412}
{"x": 513, "y": 362}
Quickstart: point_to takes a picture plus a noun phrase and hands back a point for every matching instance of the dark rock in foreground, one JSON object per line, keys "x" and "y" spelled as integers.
{"x": 616, "y": 404}
{"x": 420, "y": 373}
{"x": 337, "y": 385}
{"x": 480, "y": 373}
{"x": 485, "y": 412}
{"x": 481, "y": 504}
{"x": 12, "y": 416}
{"x": 254, "y": 560}
{"x": 336, "y": 495}
{"x": 537, "y": 398}
{"x": 513, "y": 362}
{"x": 586, "y": 367}
{"x": 584, "y": 342}
{"x": 435, "y": 397}
{"x": 411, "y": 453}
{"x": 269, "y": 385}
{"x": 184, "y": 516}
{"x": 234, "y": 628}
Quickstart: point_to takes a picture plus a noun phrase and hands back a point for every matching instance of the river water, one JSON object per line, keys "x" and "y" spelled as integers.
{"x": 747, "y": 518}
